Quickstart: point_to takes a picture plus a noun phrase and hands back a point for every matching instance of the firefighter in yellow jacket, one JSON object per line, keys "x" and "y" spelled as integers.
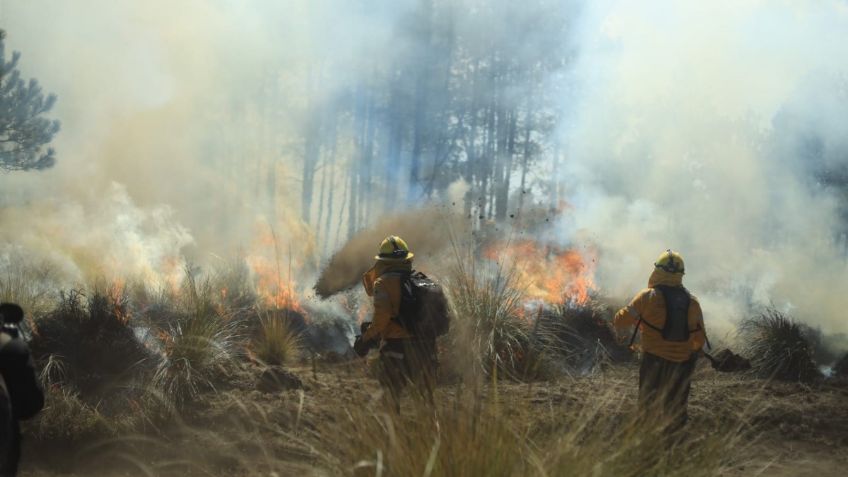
{"x": 671, "y": 324}
{"x": 404, "y": 358}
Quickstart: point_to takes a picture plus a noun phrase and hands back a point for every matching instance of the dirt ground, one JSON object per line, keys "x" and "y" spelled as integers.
{"x": 797, "y": 430}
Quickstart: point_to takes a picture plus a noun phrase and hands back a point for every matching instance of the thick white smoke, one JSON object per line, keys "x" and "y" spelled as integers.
{"x": 176, "y": 119}
{"x": 701, "y": 126}
{"x": 691, "y": 130}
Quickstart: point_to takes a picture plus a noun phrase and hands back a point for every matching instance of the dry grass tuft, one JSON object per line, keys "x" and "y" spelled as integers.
{"x": 87, "y": 343}
{"x": 777, "y": 347}
{"x": 489, "y": 318}
{"x": 66, "y": 418}
{"x": 580, "y": 336}
{"x": 277, "y": 343}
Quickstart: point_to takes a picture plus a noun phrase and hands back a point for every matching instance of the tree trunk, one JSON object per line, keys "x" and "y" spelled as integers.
{"x": 330, "y": 163}
{"x": 312, "y": 148}
{"x": 528, "y": 128}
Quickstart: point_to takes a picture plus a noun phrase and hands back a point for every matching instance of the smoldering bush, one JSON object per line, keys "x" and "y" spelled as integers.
{"x": 578, "y": 336}
{"x": 88, "y": 337}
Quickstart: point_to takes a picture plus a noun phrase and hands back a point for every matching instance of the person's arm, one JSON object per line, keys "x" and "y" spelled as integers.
{"x": 382, "y": 312}
{"x": 628, "y": 317}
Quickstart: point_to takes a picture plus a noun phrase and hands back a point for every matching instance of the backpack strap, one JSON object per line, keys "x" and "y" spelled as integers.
{"x": 636, "y": 328}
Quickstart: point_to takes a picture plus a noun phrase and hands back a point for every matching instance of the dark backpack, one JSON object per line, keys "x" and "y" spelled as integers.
{"x": 676, "y": 327}
{"x": 423, "y": 307}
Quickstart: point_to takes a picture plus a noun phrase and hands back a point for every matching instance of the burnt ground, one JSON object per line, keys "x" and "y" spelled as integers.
{"x": 793, "y": 429}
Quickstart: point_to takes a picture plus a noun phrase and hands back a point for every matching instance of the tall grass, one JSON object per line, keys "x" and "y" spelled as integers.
{"x": 452, "y": 441}
{"x": 465, "y": 438}
{"x": 198, "y": 347}
{"x": 488, "y": 316}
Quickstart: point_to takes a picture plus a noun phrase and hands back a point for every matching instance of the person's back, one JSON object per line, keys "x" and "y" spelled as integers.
{"x": 672, "y": 334}
{"x": 404, "y": 357}
{"x": 21, "y": 396}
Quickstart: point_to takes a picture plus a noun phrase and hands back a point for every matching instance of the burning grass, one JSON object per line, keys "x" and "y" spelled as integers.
{"x": 778, "y": 348}
{"x": 194, "y": 338}
{"x": 549, "y": 273}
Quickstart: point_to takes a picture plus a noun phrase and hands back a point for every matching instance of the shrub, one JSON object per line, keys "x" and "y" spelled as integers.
{"x": 777, "y": 347}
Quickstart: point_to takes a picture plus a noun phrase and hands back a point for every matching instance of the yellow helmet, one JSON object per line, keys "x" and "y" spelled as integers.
{"x": 671, "y": 262}
{"x": 394, "y": 248}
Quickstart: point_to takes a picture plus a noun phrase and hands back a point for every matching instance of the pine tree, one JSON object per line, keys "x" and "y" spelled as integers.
{"x": 24, "y": 132}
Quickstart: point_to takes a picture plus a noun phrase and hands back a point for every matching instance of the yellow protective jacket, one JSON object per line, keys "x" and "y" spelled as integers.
{"x": 649, "y": 304}
{"x": 383, "y": 283}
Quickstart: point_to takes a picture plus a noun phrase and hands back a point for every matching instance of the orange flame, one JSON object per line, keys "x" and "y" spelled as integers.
{"x": 549, "y": 273}
{"x": 274, "y": 274}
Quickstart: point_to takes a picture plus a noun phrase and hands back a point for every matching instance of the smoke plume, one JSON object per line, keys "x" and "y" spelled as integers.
{"x": 710, "y": 128}
{"x": 714, "y": 128}
{"x": 428, "y": 233}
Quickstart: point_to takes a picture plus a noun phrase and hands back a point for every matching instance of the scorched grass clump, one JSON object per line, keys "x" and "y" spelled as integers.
{"x": 777, "y": 347}
{"x": 87, "y": 343}
{"x": 580, "y": 336}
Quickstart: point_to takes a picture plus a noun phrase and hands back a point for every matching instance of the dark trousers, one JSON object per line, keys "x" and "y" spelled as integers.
{"x": 9, "y": 461}
{"x": 405, "y": 362}
{"x": 664, "y": 389}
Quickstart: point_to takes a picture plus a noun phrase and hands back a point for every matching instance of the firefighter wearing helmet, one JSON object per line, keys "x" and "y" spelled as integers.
{"x": 671, "y": 324}
{"x": 404, "y": 357}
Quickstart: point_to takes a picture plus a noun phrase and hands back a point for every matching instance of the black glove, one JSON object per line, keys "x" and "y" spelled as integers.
{"x": 361, "y": 347}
